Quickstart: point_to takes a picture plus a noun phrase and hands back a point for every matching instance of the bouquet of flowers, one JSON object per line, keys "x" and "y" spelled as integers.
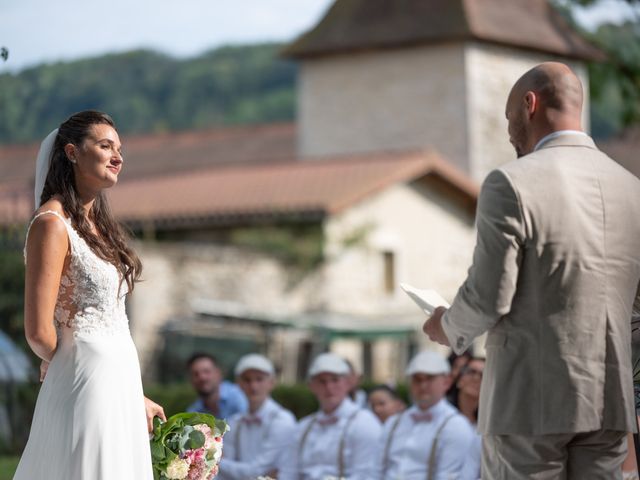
{"x": 187, "y": 446}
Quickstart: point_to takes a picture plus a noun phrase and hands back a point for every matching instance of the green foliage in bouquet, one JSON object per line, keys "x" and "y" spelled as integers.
{"x": 177, "y": 435}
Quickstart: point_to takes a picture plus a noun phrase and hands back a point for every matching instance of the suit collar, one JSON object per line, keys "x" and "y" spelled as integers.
{"x": 568, "y": 139}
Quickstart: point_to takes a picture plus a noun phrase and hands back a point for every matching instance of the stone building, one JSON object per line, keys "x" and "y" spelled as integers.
{"x": 291, "y": 239}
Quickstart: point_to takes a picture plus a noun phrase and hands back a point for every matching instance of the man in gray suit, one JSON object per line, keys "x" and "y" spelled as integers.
{"x": 555, "y": 274}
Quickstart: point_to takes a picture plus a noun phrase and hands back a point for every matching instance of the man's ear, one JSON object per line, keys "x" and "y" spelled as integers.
{"x": 531, "y": 103}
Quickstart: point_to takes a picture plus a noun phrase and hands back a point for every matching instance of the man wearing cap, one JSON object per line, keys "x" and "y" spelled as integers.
{"x": 341, "y": 439}
{"x": 430, "y": 440}
{"x": 256, "y": 440}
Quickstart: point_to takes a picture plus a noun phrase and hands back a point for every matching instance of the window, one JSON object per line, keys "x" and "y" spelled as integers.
{"x": 389, "y": 272}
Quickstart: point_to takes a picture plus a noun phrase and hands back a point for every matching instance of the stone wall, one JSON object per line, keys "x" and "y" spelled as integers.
{"x": 177, "y": 274}
{"x": 448, "y": 96}
{"x": 430, "y": 237}
{"x": 384, "y": 100}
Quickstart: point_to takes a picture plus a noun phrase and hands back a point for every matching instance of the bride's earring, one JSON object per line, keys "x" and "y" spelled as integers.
{"x": 73, "y": 160}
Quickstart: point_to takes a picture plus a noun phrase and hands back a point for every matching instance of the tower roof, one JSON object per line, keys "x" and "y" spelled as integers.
{"x": 357, "y": 25}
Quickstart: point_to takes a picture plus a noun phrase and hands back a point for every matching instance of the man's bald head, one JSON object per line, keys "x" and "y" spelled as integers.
{"x": 556, "y": 85}
{"x": 545, "y": 99}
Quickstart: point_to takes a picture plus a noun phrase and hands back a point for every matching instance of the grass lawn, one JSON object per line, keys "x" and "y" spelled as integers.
{"x": 8, "y": 467}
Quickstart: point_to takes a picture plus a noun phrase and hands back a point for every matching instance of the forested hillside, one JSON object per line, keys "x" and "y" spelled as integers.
{"x": 146, "y": 91}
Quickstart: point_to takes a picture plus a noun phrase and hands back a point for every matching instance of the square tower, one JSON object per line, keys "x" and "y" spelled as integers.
{"x": 380, "y": 75}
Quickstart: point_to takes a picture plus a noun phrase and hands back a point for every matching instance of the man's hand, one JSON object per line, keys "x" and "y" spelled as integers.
{"x": 153, "y": 410}
{"x": 433, "y": 327}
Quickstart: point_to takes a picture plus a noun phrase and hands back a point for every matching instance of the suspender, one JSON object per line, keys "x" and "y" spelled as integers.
{"x": 343, "y": 441}
{"x": 341, "y": 445}
{"x": 431, "y": 465}
{"x": 387, "y": 445}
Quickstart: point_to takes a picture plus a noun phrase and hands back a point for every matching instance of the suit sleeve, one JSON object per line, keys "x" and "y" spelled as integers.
{"x": 488, "y": 291}
{"x": 635, "y": 344}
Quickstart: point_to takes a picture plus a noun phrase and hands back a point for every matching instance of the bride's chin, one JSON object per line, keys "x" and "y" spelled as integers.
{"x": 110, "y": 181}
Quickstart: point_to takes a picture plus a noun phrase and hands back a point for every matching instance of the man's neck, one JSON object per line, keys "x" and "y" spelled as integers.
{"x": 255, "y": 406}
{"x": 328, "y": 410}
{"x": 424, "y": 406}
{"x": 211, "y": 400}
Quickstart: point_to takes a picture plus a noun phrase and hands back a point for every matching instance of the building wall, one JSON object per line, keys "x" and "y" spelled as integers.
{"x": 449, "y": 96}
{"x": 177, "y": 274}
{"x": 382, "y": 100}
{"x": 491, "y": 71}
{"x": 431, "y": 238}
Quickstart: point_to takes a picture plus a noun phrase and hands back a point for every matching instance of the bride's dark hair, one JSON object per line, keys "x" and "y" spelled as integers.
{"x": 111, "y": 242}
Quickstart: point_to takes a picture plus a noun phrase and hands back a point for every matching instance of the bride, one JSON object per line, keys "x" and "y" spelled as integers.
{"x": 89, "y": 420}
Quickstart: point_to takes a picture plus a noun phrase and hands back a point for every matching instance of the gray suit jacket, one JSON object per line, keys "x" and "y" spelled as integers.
{"x": 555, "y": 273}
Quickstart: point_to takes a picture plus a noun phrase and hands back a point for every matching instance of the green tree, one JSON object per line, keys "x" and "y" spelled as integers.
{"x": 146, "y": 91}
{"x": 615, "y": 83}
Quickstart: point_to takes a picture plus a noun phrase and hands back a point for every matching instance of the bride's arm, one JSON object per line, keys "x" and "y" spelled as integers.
{"x": 47, "y": 246}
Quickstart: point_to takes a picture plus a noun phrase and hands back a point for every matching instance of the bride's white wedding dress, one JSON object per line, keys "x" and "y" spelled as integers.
{"x": 89, "y": 421}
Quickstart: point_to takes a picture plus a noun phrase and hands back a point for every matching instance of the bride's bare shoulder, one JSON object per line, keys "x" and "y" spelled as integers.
{"x": 48, "y": 226}
{"x": 52, "y": 205}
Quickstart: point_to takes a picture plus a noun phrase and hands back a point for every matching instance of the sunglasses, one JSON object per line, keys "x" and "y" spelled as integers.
{"x": 472, "y": 371}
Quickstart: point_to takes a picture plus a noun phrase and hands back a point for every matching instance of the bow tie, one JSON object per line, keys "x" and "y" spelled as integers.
{"x": 421, "y": 417}
{"x": 330, "y": 420}
{"x": 252, "y": 420}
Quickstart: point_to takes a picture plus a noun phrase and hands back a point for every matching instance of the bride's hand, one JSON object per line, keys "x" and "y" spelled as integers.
{"x": 153, "y": 410}
{"x": 44, "y": 366}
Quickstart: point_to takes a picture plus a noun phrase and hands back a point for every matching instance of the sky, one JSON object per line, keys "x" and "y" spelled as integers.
{"x": 44, "y": 31}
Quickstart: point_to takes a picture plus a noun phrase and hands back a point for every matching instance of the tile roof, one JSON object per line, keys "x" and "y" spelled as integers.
{"x": 352, "y": 25}
{"x": 231, "y": 175}
{"x": 291, "y": 189}
{"x": 166, "y": 153}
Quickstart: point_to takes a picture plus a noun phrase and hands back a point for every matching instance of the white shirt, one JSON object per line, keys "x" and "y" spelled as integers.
{"x": 255, "y": 444}
{"x": 408, "y": 445}
{"x": 556, "y": 134}
{"x": 471, "y": 470}
{"x": 315, "y": 450}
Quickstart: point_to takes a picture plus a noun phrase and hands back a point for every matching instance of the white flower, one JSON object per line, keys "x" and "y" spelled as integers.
{"x": 216, "y": 449}
{"x": 177, "y": 469}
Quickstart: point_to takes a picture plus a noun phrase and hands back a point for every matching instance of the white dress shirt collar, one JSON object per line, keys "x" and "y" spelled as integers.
{"x": 344, "y": 409}
{"x": 557, "y": 134}
{"x": 264, "y": 410}
{"x": 434, "y": 410}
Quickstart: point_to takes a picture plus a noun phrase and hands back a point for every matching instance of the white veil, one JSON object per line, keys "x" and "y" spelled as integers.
{"x": 42, "y": 165}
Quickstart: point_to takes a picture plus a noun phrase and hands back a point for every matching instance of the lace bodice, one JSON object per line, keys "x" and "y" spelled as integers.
{"x": 89, "y": 301}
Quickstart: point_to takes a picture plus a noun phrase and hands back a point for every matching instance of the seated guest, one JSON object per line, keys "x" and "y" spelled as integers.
{"x": 457, "y": 362}
{"x": 385, "y": 402}
{"x": 467, "y": 400}
{"x": 431, "y": 439}
{"x": 257, "y": 440}
{"x": 467, "y": 395}
{"x": 217, "y": 397}
{"x": 340, "y": 440}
